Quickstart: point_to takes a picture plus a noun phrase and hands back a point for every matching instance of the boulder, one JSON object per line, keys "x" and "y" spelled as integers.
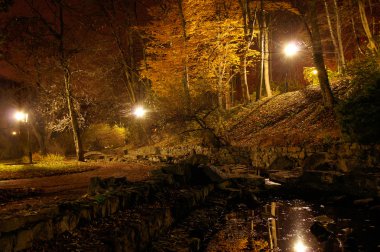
{"x": 319, "y": 161}
{"x": 286, "y": 177}
{"x": 94, "y": 155}
{"x": 212, "y": 173}
{"x": 282, "y": 163}
{"x": 320, "y": 231}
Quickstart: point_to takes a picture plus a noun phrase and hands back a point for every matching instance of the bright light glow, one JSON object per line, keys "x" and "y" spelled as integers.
{"x": 299, "y": 247}
{"x": 139, "y": 112}
{"x": 291, "y": 49}
{"x": 14, "y": 133}
{"x": 315, "y": 72}
{"x": 21, "y": 116}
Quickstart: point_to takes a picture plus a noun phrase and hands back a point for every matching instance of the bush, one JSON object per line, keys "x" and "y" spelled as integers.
{"x": 359, "y": 114}
{"x": 310, "y": 74}
{"x": 100, "y": 136}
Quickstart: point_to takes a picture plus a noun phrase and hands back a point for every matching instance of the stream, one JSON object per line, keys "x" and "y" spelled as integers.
{"x": 283, "y": 224}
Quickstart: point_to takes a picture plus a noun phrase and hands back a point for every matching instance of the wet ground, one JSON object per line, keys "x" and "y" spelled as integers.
{"x": 281, "y": 224}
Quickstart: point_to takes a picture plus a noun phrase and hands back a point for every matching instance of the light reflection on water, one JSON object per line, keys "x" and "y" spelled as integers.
{"x": 283, "y": 225}
{"x": 293, "y": 220}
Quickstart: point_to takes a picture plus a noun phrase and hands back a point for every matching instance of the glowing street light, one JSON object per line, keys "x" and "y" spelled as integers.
{"x": 23, "y": 117}
{"x": 291, "y": 49}
{"x": 139, "y": 112}
{"x": 315, "y": 72}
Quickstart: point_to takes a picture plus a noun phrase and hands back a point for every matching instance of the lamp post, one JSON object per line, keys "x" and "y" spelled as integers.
{"x": 23, "y": 117}
{"x": 290, "y": 50}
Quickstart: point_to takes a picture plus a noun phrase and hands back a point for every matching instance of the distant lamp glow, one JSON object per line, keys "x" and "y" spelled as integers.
{"x": 315, "y": 72}
{"x": 300, "y": 247}
{"x": 14, "y": 133}
{"x": 21, "y": 116}
{"x": 139, "y": 112}
{"x": 291, "y": 49}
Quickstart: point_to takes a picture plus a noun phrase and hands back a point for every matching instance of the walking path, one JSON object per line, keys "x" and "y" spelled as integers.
{"x": 54, "y": 189}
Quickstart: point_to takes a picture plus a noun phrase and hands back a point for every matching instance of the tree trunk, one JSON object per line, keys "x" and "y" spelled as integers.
{"x": 73, "y": 116}
{"x": 328, "y": 98}
{"x": 228, "y": 97}
{"x": 185, "y": 77}
{"x": 39, "y": 133}
{"x": 372, "y": 45}
{"x": 67, "y": 81}
{"x": 244, "y": 6}
{"x": 353, "y": 28}
{"x": 262, "y": 47}
{"x": 333, "y": 39}
{"x": 339, "y": 36}
{"x": 266, "y": 59}
{"x": 244, "y": 83}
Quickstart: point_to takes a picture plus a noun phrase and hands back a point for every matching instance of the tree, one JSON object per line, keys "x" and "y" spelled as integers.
{"x": 249, "y": 19}
{"x": 209, "y": 53}
{"x": 337, "y": 41}
{"x": 57, "y": 32}
{"x": 308, "y": 13}
{"x": 63, "y": 67}
{"x": 372, "y": 45}
{"x": 121, "y": 19}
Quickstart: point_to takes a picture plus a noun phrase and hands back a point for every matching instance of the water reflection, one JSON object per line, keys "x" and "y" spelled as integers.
{"x": 284, "y": 225}
{"x": 300, "y": 246}
{"x": 276, "y": 226}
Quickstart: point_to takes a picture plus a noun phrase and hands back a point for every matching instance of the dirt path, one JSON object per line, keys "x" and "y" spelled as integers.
{"x": 68, "y": 187}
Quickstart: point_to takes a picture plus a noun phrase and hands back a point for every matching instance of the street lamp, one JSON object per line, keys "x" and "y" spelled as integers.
{"x": 139, "y": 112}
{"x": 23, "y": 117}
{"x": 290, "y": 50}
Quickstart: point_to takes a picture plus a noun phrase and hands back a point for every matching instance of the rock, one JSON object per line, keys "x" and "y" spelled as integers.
{"x": 340, "y": 200}
{"x": 95, "y": 186}
{"x": 375, "y": 209}
{"x": 324, "y": 220}
{"x": 286, "y": 177}
{"x": 313, "y": 161}
{"x": 196, "y": 159}
{"x": 282, "y": 163}
{"x": 195, "y": 244}
{"x": 212, "y": 173}
{"x": 250, "y": 199}
{"x": 320, "y": 232}
{"x": 223, "y": 185}
{"x": 7, "y": 243}
{"x": 24, "y": 239}
{"x": 93, "y": 155}
{"x": 11, "y": 224}
{"x": 363, "y": 202}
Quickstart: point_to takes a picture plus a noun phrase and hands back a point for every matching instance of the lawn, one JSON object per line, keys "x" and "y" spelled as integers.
{"x": 42, "y": 169}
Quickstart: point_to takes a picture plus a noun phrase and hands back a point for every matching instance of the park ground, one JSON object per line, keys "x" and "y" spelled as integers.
{"x": 25, "y": 187}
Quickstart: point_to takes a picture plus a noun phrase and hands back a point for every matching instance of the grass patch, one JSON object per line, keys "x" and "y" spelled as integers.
{"x": 43, "y": 169}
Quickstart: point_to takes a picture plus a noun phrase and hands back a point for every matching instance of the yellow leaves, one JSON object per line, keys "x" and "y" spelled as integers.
{"x": 210, "y": 52}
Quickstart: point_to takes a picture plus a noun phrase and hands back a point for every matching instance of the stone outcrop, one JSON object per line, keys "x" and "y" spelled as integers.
{"x": 346, "y": 167}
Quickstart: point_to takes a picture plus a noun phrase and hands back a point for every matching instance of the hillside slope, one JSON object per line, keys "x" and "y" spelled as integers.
{"x": 293, "y": 118}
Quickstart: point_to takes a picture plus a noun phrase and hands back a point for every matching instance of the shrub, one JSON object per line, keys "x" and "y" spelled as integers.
{"x": 100, "y": 136}
{"x": 53, "y": 158}
{"x": 311, "y": 76}
{"x": 359, "y": 114}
